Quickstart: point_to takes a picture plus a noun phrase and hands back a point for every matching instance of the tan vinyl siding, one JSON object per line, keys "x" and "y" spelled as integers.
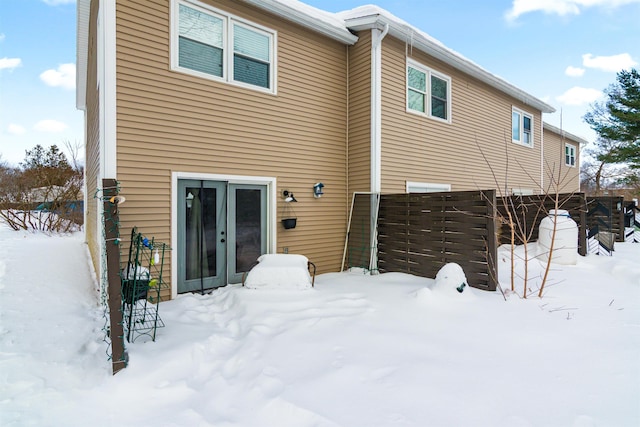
{"x": 417, "y": 148}
{"x": 170, "y": 121}
{"x": 557, "y": 174}
{"x": 92, "y": 146}
{"x": 360, "y": 114}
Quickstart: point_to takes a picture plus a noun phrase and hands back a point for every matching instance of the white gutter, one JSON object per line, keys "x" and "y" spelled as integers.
{"x": 82, "y": 51}
{"x": 310, "y": 17}
{"x": 376, "y": 107}
{"x": 564, "y": 133}
{"x": 377, "y": 17}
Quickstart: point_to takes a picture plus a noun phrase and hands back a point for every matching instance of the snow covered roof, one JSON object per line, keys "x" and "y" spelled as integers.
{"x": 338, "y": 26}
{"x": 371, "y": 16}
{"x": 308, "y": 16}
{"x": 564, "y": 133}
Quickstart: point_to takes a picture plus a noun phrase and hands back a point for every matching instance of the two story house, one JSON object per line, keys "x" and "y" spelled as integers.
{"x": 211, "y": 114}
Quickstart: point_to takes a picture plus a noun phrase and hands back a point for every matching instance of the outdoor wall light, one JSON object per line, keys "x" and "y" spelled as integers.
{"x": 288, "y": 196}
{"x": 317, "y": 190}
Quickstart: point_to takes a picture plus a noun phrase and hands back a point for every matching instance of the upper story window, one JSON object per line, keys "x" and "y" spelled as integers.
{"x": 570, "y": 155}
{"x": 428, "y": 92}
{"x": 522, "y": 127}
{"x": 209, "y": 43}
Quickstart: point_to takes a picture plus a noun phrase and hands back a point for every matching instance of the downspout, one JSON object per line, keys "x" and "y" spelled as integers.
{"x": 542, "y": 154}
{"x": 346, "y": 135}
{"x": 106, "y": 81}
{"x": 376, "y": 134}
{"x": 376, "y": 107}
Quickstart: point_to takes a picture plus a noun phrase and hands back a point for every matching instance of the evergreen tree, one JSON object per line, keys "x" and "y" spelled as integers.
{"x": 618, "y": 120}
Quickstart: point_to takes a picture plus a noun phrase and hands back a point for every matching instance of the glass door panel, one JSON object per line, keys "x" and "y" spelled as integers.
{"x": 201, "y": 235}
{"x": 247, "y": 228}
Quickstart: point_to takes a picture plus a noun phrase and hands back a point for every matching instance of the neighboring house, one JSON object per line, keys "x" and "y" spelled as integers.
{"x": 207, "y": 111}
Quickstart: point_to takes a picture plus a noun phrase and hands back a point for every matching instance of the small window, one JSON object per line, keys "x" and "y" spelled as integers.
{"x": 428, "y": 92}
{"x": 200, "y": 41}
{"x": 570, "y": 155}
{"x": 521, "y": 128}
{"x": 426, "y": 187}
{"x": 522, "y": 191}
{"x": 251, "y": 56}
{"x": 209, "y": 43}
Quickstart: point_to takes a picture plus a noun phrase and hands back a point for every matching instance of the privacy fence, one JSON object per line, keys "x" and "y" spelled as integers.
{"x": 528, "y": 211}
{"x": 418, "y": 233}
{"x": 606, "y": 214}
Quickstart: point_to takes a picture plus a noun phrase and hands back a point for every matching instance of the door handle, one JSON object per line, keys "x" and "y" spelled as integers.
{"x": 222, "y": 240}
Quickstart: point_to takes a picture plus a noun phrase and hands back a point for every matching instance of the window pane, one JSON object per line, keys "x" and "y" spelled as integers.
{"x": 200, "y": 41}
{"x": 248, "y": 228}
{"x": 438, "y": 97}
{"x": 417, "y": 80}
{"x": 438, "y": 108}
{"x": 247, "y": 70}
{"x": 250, "y": 43}
{"x": 438, "y": 88}
{"x": 515, "y": 126}
{"x": 199, "y": 57}
{"x": 526, "y": 123}
{"x": 416, "y": 101}
{"x": 200, "y": 27}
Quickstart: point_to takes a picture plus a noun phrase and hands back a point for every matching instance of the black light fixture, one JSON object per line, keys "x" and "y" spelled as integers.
{"x": 288, "y": 196}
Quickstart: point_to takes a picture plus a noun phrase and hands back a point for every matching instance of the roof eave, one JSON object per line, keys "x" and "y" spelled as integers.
{"x": 447, "y": 56}
{"x": 336, "y": 32}
{"x": 83, "y": 8}
{"x": 564, "y": 133}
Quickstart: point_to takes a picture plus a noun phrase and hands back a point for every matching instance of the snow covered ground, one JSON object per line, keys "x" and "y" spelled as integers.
{"x": 357, "y": 350}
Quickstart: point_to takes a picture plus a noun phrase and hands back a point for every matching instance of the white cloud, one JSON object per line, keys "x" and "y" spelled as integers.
{"x": 613, "y": 63}
{"x": 10, "y": 63}
{"x": 58, "y": 2}
{"x": 574, "y": 71}
{"x": 560, "y": 7}
{"x": 15, "y": 129}
{"x": 64, "y": 76}
{"x": 579, "y": 96}
{"x": 51, "y": 126}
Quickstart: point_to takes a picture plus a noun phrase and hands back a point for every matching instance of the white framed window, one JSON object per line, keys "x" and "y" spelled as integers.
{"x": 428, "y": 92}
{"x": 212, "y": 44}
{"x": 521, "y": 127}
{"x": 570, "y": 155}
{"x": 426, "y": 187}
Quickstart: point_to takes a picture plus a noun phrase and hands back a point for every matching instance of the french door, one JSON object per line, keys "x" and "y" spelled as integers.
{"x": 222, "y": 230}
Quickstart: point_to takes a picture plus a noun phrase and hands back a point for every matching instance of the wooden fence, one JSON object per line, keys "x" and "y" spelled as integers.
{"x": 530, "y": 210}
{"x": 606, "y": 213}
{"x": 418, "y": 233}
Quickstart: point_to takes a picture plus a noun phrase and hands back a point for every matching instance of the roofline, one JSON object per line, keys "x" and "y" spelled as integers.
{"x": 564, "y": 133}
{"x": 337, "y": 32}
{"x": 83, "y": 8}
{"x": 340, "y": 32}
{"x": 441, "y": 52}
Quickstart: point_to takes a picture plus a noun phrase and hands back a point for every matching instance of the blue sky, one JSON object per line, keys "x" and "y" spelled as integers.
{"x": 565, "y": 52}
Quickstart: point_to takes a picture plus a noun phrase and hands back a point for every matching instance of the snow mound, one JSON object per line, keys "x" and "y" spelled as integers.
{"x": 451, "y": 276}
{"x": 280, "y": 271}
